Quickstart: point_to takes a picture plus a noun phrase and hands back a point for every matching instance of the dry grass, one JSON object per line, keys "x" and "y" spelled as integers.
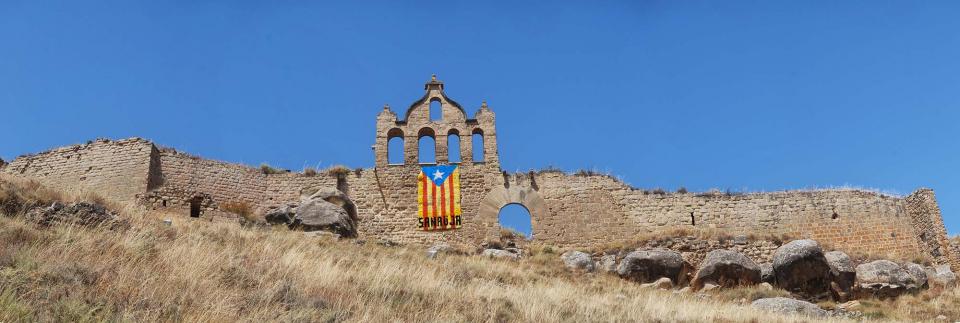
{"x": 203, "y": 271}
{"x": 338, "y": 170}
{"x": 309, "y": 171}
{"x": 270, "y": 170}
{"x": 242, "y": 209}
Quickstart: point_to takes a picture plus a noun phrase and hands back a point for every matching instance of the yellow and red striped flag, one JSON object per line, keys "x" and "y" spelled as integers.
{"x": 438, "y": 197}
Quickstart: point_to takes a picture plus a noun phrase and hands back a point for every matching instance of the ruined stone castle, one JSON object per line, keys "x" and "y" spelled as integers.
{"x": 567, "y": 211}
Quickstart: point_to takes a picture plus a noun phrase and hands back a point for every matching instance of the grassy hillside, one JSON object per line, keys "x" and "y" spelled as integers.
{"x": 203, "y": 271}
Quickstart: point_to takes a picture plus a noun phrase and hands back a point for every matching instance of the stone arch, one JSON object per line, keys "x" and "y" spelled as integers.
{"x": 501, "y": 196}
{"x": 399, "y": 155}
{"x": 426, "y": 132}
{"x": 478, "y": 143}
{"x": 454, "y": 146}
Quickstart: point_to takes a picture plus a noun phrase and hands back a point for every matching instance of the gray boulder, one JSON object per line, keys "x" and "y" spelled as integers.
{"x": 578, "y": 261}
{"x": 884, "y": 279}
{"x": 766, "y": 274}
{"x": 801, "y": 268}
{"x": 319, "y": 214}
{"x": 843, "y": 274}
{"x": 501, "y": 254}
{"x": 280, "y": 215}
{"x": 608, "y": 263}
{"x": 437, "y": 248}
{"x": 941, "y": 276}
{"x": 726, "y": 268}
{"x": 649, "y": 265}
{"x": 918, "y": 274}
{"x": 331, "y": 195}
{"x": 789, "y": 306}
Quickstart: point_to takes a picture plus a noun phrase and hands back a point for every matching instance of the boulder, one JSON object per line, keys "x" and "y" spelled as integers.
{"x": 918, "y": 274}
{"x": 280, "y": 215}
{"x": 437, "y": 248}
{"x": 331, "y": 195}
{"x": 578, "y": 261}
{"x": 843, "y": 274}
{"x": 318, "y": 214}
{"x": 941, "y": 276}
{"x": 649, "y": 265}
{"x": 884, "y": 279}
{"x": 726, "y": 268}
{"x": 801, "y": 268}
{"x": 789, "y": 306}
{"x": 608, "y": 263}
{"x": 766, "y": 273}
{"x": 501, "y": 254}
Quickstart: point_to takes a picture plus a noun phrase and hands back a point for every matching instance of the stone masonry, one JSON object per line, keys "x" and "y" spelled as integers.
{"x": 567, "y": 211}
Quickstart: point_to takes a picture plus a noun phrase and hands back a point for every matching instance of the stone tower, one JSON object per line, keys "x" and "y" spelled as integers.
{"x": 454, "y": 124}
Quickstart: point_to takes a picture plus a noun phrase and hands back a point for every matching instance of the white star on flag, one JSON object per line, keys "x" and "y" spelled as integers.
{"x": 437, "y": 174}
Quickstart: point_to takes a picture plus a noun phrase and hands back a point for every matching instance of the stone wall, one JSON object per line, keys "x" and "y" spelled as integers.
{"x": 931, "y": 234}
{"x": 567, "y": 211}
{"x": 112, "y": 169}
{"x": 573, "y": 211}
{"x": 182, "y": 178}
{"x": 588, "y": 210}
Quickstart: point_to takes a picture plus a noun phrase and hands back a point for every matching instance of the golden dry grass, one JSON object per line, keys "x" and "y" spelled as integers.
{"x": 202, "y": 271}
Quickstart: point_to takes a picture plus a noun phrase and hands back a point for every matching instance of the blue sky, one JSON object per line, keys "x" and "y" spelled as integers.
{"x": 745, "y": 95}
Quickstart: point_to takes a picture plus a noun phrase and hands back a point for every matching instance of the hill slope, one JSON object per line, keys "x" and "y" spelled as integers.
{"x": 204, "y": 271}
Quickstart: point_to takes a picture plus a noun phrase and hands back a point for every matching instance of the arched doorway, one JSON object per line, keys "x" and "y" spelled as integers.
{"x": 515, "y": 219}
{"x": 523, "y": 197}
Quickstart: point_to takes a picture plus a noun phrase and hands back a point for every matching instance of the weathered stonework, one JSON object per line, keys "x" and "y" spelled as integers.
{"x": 567, "y": 211}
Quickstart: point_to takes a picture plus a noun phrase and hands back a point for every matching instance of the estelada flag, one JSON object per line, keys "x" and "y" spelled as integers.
{"x": 438, "y": 197}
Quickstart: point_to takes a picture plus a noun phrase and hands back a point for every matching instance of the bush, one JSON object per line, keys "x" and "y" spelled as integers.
{"x": 269, "y": 170}
{"x": 17, "y": 195}
{"x": 310, "y": 171}
{"x": 242, "y": 209}
{"x": 338, "y": 170}
{"x": 508, "y": 234}
{"x": 682, "y": 190}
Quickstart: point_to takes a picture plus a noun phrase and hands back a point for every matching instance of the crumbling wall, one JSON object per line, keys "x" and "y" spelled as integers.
{"x": 591, "y": 210}
{"x": 577, "y": 212}
{"x": 184, "y": 177}
{"x": 931, "y": 234}
{"x": 114, "y": 169}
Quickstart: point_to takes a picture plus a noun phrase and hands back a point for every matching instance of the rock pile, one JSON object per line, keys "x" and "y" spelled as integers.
{"x": 83, "y": 213}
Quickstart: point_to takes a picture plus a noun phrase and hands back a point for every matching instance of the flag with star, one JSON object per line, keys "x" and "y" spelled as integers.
{"x": 438, "y": 197}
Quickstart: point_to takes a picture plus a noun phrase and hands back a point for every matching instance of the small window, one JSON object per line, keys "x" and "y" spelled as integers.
{"x": 453, "y": 147}
{"x": 478, "y": 146}
{"x": 436, "y": 111}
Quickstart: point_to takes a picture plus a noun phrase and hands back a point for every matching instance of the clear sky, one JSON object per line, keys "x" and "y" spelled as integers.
{"x": 741, "y": 95}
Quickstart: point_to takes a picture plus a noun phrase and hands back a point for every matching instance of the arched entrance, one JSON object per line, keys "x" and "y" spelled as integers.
{"x": 516, "y": 218}
{"x": 500, "y": 197}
